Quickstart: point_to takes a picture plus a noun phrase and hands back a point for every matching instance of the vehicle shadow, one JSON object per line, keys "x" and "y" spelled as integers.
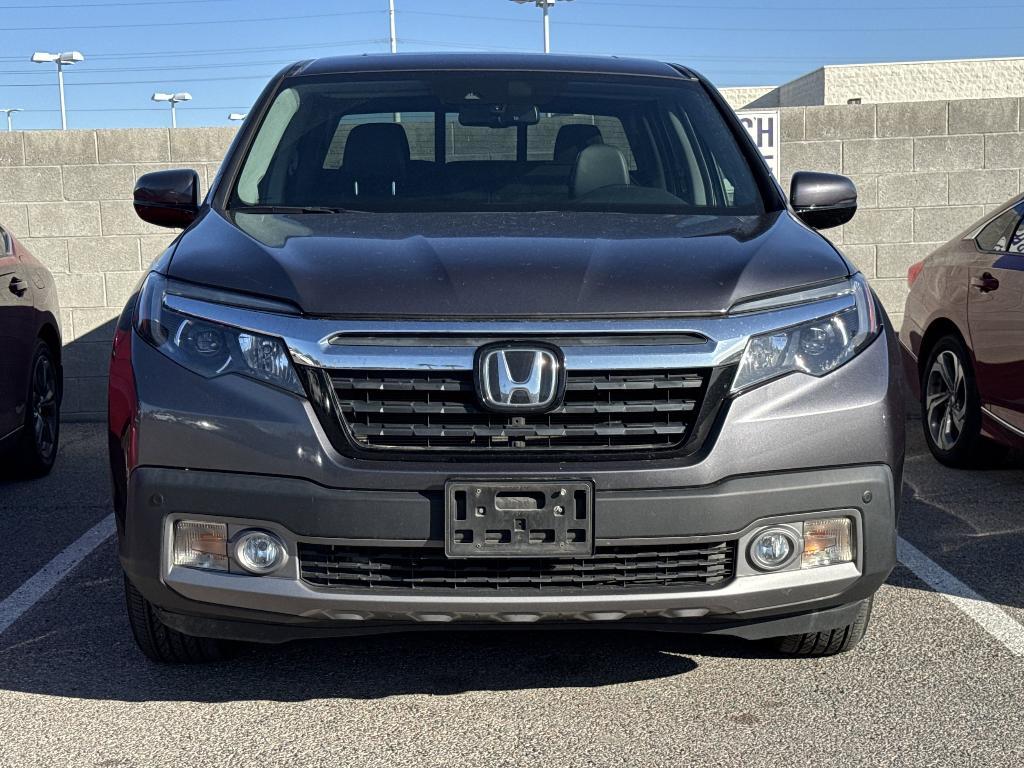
{"x": 970, "y": 522}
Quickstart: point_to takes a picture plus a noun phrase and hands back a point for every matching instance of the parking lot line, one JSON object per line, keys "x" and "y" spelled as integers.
{"x": 989, "y": 616}
{"x": 33, "y": 590}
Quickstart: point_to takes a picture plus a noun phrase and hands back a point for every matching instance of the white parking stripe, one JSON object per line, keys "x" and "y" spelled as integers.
{"x": 33, "y": 590}
{"x": 991, "y": 617}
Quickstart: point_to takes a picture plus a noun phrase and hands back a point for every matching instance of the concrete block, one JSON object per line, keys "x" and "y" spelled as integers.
{"x": 878, "y": 155}
{"x": 839, "y": 122}
{"x": 895, "y": 260}
{"x": 80, "y": 290}
{"x": 983, "y": 187}
{"x": 862, "y": 256}
{"x": 133, "y": 145}
{"x": 792, "y": 124}
{"x": 824, "y": 156}
{"x": 867, "y": 189}
{"x": 153, "y": 246}
{"x": 910, "y": 190}
{"x": 119, "y": 218}
{"x": 206, "y": 145}
{"x": 121, "y": 285}
{"x": 60, "y": 147}
{"x": 880, "y": 225}
{"x": 949, "y": 153}
{"x": 1004, "y": 150}
{"x": 30, "y": 185}
{"x": 85, "y": 358}
{"x": 118, "y": 253}
{"x": 919, "y": 118}
{"x": 12, "y": 148}
{"x": 92, "y": 324}
{"x": 14, "y": 218}
{"x": 892, "y": 293}
{"x": 933, "y": 225}
{"x": 98, "y": 182}
{"x": 91, "y": 398}
{"x": 984, "y": 116}
{"x": 52, "y": 251}
{"x": 64, "y": 219}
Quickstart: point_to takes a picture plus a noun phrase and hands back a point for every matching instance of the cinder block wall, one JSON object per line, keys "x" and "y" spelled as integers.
{"x": 67, "y": 197}
{"x": 925, "y": 171}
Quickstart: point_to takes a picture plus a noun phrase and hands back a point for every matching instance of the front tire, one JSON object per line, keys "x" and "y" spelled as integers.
{"x": 951, "y": 406}
{"x": 831, "y": 642}
{"x": 162, "y": 644}
{"x": 36, "y": 451}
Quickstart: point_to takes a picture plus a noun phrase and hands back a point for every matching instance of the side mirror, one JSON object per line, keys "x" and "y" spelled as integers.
{"x": 823, "y": 200}
{"x": 168, "y": 198}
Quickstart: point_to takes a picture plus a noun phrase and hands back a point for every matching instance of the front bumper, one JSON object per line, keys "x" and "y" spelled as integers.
{"x": 282, "y": 607}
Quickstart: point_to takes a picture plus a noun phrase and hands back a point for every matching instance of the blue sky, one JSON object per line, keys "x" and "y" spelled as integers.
{"x": 222, "y": 51}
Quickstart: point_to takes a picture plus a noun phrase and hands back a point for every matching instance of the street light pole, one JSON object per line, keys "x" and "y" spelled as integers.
{"x": 173, "y": 99}
{"x": 545, "y": 6}
{"x": 391, "y": 18}
{"x": 10, "y": 115}
{"x": 60, "y": 59}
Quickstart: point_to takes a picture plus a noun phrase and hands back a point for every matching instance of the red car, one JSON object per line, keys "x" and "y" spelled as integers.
{"x": 963, "y": 339}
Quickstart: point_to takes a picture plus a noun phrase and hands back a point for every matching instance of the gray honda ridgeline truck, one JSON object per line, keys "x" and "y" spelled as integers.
{"x": 494, "y": 340}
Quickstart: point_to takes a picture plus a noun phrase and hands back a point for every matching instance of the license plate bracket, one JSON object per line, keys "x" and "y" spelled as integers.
{"x": 520, "y": 519}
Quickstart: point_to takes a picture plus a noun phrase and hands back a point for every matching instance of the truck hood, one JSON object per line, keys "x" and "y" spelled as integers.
{"x": 488, "y": 265}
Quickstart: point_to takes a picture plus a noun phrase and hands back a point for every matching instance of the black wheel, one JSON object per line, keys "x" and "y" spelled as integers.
{"x": 162, "y": 644}
{"x": 951, "y": 407}
{"x": 830, "y": 642}
{"x": 37, "y": 448}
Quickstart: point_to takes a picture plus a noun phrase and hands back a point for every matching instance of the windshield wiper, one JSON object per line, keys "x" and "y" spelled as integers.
{"x": 289, "y": 209}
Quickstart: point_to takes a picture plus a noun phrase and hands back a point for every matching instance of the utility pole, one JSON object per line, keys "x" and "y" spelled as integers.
{"x": 391, "y": 18}
{"x": 10, "y": 115}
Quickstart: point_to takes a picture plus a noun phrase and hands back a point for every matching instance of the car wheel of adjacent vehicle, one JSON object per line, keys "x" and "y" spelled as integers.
{"x": 830, "y": 642}
{"x": 36, "y": 451}
{"x": 951, "y": 407}
{"x": 162, "y": 644}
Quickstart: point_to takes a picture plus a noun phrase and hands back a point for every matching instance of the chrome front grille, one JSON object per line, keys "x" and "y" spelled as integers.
{"x": 429, "y": 410}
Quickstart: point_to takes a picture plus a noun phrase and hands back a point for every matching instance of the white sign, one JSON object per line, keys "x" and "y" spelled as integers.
{"x": 763, "y": 126}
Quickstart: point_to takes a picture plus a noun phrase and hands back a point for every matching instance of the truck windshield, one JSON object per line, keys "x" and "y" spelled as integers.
{"x": 496, "y": 141}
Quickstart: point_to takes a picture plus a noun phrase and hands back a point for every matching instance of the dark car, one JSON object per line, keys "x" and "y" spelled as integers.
{"x": 498, "y": 341}
{"x": 963, "y": 340}
{"x": 30, "y": 368}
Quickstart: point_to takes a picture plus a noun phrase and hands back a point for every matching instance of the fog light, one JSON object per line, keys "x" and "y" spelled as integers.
{"x": 259, "y": 552}
{"x": 827, "y": 542}
{"x": 772, "y": 549}
{"x": 201, "y": 545}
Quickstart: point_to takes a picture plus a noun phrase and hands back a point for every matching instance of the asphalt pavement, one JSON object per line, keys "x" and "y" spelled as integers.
{"x": 932, "y": 684}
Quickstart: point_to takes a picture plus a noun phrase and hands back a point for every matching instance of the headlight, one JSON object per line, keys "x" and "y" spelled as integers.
{"x": 816, "y": 347}
{"x": 211, "y": 349}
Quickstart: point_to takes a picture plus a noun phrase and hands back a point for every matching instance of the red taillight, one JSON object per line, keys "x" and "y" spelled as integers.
{"x": 914, "y": 272}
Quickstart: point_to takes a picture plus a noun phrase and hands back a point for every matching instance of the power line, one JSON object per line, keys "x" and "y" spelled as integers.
{"x": 215, "y": 51}
{"x": 730, "y": 28}
{"x": 193, "y": 22}
{"x": 813, "y": 8}
{"x": 160, "y": 4}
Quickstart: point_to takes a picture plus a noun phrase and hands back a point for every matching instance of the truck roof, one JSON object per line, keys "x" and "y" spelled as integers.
{"x": 525, "y": 62}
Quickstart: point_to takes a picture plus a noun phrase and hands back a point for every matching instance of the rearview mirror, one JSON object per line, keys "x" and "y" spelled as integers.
{"x": 168, "y": 198}
{"x": 823, "y": 200}
{"x": 498, "y": 115}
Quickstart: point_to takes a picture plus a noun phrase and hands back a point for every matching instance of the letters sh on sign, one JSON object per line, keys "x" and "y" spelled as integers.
{"x": 763, "y": 127}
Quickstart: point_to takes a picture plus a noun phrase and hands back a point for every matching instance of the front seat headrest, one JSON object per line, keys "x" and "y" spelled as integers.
{"x": 573, "y": 139}
{"x": 599, "y": 166}
{"x": 376, "y": 155}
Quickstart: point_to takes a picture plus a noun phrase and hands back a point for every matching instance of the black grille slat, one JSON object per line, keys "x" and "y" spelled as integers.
{"x": 689, "y": 566}
{"x": 438, "y": 410}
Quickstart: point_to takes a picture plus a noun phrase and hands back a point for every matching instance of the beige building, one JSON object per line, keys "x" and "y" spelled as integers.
{"x": 949, "y": 80}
